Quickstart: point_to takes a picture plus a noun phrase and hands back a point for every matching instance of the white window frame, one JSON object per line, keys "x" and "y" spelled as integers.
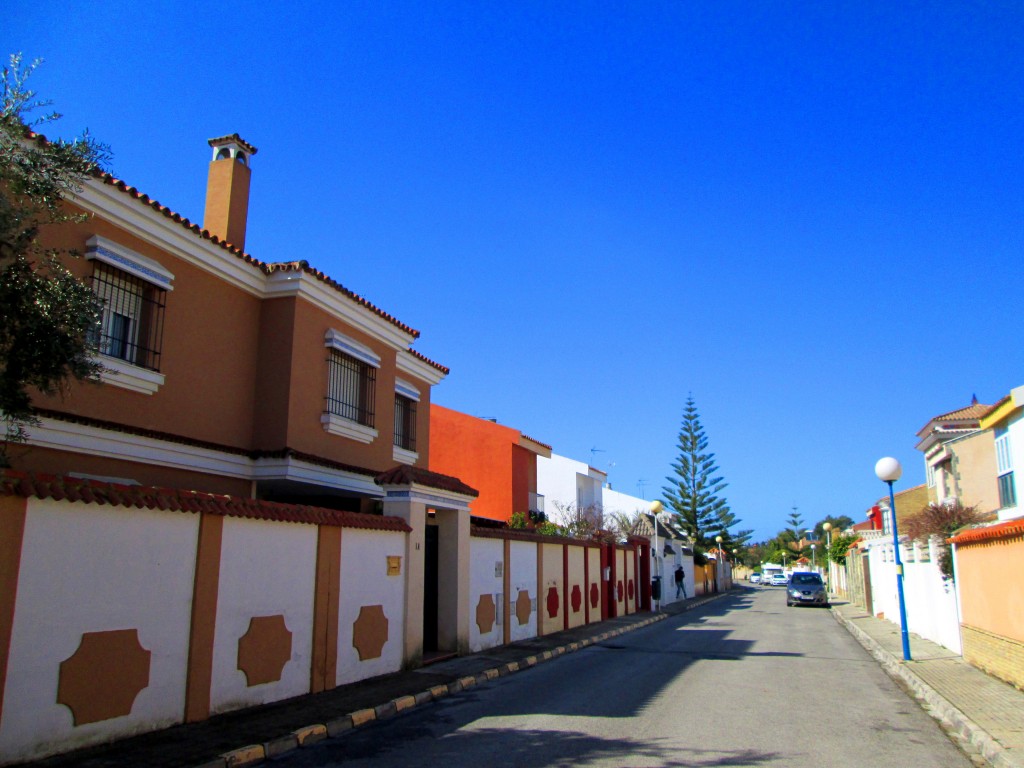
{"x": 334, "y": 423}
{"x": 117, "y": 371}
{"x": 408, "y": 390}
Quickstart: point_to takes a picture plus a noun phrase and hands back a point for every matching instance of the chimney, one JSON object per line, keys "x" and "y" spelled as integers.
{"x": 227, "y": 189}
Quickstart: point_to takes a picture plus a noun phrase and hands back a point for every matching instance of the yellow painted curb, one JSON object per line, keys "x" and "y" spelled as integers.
{"x": 363, "y": 716}
{"x": 405, "y": 702}
{"x": 310, "y": 734}
{"x": 243, "y": 756}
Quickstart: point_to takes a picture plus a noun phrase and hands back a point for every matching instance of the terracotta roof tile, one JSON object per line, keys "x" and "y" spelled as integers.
{"x": 61, "y": 488}
{"x": 971, "y": 413}
{"x": 1005, "y": 530}
{"x": 303, "y": 266}
{"x": 538, "y": 442}
{"x": 428, "y": 361}
{"x": 145, "y": 199}
{"x": 235, "y": 138}
{"x": 403, "y": 474}
{"x": 644, "y": 526}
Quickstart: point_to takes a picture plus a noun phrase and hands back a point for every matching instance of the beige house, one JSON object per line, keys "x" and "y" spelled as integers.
{"x": 960, "y": 458}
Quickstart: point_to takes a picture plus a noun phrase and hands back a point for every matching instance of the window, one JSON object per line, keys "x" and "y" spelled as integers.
{"x": 1007, "y": 492}
{"x": 351, "y": 388}
{"x": 407, "y": 395}
{"x": 405, "y": 422}
{"x": 350, "y": 392}
{"x": 132, "y": 292}
{"x": 131, "y": 324}
{"x": 1004, "y": 468}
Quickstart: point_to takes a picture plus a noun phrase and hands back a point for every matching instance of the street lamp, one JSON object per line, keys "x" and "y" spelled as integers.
{"x": 656, "y": 508}
{"x": 719, "y": 564}
{"x": 814, "y": 563}
{"x": 888, "y": 471}
{"x": 827, "y": 527}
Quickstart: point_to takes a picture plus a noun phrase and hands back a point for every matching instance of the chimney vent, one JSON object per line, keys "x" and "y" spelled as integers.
{"x": 227, "y": 189}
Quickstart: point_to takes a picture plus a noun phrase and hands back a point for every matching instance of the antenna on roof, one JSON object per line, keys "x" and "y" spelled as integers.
{"x": 640, "y": 487}
{"x": 593, "y": 451}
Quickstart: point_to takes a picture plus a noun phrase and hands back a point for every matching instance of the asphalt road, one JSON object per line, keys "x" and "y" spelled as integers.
{"x": 744, "y": 681}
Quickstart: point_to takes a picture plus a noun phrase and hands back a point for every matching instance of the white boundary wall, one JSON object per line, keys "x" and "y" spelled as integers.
{"x": 931, "y": 600}
{"x": 94, "y": 569}
{"x": 487, "y": 567}
{"x": 365, "y": 581}
{"x": 523, "y": 555}
{"x": 266, "y": 569}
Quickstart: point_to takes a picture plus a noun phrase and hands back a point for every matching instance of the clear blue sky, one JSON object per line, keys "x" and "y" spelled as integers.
{"x": 808, "y": 215}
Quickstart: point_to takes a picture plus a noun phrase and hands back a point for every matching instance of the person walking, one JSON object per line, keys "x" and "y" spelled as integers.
{"x": 680, "y": 583}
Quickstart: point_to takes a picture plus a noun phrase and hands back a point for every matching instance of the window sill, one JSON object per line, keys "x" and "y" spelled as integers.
{"x": 402, "y": 456}
{"x": 121, "y": 373}
{"x": 337, "y": 425}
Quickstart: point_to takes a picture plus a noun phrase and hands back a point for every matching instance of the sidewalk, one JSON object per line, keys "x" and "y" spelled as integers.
{"x": 250, "y": 736}
{"x": 984, "y": 711}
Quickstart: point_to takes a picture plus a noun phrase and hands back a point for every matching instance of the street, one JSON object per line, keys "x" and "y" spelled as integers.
{"x": 743, "y": 681}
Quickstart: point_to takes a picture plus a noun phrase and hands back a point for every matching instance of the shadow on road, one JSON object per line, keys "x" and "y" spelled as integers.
{"x": 521, "y": 748}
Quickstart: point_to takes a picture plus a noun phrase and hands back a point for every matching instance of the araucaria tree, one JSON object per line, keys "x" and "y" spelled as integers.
{"x": 693, "y": 490}
{"x": 46, "y": 314}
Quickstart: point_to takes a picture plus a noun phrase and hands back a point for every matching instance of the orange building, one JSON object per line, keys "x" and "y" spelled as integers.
{"x": 498, "y": 461}
{"x": 224, "y": 373}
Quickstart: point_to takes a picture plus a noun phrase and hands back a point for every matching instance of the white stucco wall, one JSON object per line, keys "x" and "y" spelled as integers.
{"x": 930, "y": 600}
{"x": 364, "y": 581}
{"x": 267, "y": 568}
{"x": 563, "y": 481}
{"x": 487, "y": 567}
{"x": 523, "y": 555}
{"x": 91, "y": 568}
{"x": 615, "y": 501}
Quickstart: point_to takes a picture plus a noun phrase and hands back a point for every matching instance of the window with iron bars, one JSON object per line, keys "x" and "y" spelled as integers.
{"x": 350, "y": 389}
{"x": 405, "y": 422}
{"x": 132, "y": 319}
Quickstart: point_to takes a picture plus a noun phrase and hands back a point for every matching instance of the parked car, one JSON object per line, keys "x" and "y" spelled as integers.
{"x": 806, "y": 589}
{"x": 755, "y": 578}
{"x": 779, "y": 579}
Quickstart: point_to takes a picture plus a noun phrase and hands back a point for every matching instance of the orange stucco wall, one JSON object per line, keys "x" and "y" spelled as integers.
{"x": 307, "y": 387}
{"x": 240, "y": 371}
{"x": 208, "y": 357}
{"x": 478, "y": 452}
{"x": 524, "y": 477}
{"x": 990, "y": 576}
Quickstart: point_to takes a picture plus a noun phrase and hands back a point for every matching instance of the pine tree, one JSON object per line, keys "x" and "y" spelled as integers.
{"x": 693, "y": 490}
{"x": 46, "y": 314}
{"x": 796, "y": 524}
{"x": 730, "y": 540}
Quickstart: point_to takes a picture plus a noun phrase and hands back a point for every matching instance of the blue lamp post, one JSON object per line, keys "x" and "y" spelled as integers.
{"x": 888, "y": 471}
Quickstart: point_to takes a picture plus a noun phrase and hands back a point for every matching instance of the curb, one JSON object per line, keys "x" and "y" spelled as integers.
{"x": 938, "y": 706}
{"x": 254, "y": 754}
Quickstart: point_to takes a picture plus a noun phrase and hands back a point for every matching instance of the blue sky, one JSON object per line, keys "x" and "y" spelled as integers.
{"x": 808, "y": 215}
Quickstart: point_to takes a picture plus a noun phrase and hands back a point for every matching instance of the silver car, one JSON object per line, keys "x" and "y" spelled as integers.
{"x": 806, "y": 589}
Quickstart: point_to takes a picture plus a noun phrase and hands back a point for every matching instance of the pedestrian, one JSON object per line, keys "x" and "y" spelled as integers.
{"x": 680, "y": 583}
